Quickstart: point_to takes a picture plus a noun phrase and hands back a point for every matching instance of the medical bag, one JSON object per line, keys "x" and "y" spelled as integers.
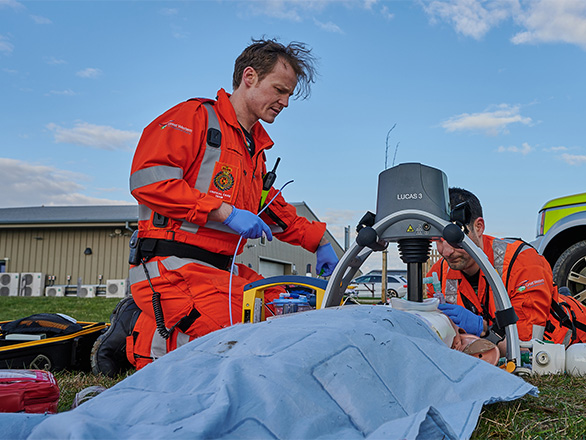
{"x": 31, "y": 391}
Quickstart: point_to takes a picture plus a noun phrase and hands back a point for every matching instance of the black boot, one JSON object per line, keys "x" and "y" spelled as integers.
{"x": 109, "y": 351}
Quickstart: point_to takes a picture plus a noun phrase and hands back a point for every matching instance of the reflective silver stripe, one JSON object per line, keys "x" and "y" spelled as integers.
{"x": 218, "y": 226}
{"x": 150, "y": 175}
{"x": 144, "y": 212}
{"x": 499, "y": 248}
{"x": 211, "y": 155}
{"x": 568, "y": 338}
{"x": 174, "y": 263}
{"x": 537, "y": 332}
{"x": 158, "y": 346}
{"x": 137, "y": 275}
{"x": 182, "y": 338}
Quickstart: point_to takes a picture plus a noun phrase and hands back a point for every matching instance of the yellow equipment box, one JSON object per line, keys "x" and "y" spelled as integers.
{"x": 254, "y": 307}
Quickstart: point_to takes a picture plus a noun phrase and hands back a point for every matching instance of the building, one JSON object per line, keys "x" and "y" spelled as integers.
{"x": 88, "y": 245}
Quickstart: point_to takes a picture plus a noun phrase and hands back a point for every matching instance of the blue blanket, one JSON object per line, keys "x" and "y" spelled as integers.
{"x": 352, "y": 372}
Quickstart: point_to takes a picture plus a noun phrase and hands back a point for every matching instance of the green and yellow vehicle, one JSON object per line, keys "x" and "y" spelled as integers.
{"x": 561, "y": 239}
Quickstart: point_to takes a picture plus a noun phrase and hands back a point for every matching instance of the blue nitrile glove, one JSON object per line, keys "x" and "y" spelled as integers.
{"x": 247, "y": 224}
{"x": 326, "y": 260}
{"x": 463, "y": 318}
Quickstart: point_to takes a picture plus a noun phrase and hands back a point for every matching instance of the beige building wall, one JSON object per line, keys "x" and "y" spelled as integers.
{"x": 59, "y": 252}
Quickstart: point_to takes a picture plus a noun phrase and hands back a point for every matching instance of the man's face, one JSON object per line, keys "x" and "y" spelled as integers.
{"x": 459, "y": 259}
{"x": 270, "y": 95}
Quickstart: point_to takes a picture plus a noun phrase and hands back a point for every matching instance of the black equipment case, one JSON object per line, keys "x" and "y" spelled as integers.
{"x": 48, "y": 342}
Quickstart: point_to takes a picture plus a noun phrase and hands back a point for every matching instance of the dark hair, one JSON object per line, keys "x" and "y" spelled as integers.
{"x": 262, "y": 55}
{"x": 459, "y": 195}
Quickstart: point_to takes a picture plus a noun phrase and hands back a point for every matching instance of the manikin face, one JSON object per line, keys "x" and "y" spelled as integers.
{"x": 266, "y": 98}
{"x": 459, "y": 259}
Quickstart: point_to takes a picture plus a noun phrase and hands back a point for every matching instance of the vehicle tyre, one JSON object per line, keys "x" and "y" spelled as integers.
{"x": 392, "y": 293}
{"x": 570, "y": 270}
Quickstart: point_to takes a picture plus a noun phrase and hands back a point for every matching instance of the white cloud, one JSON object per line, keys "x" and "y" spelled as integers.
{"x": 337, "y": 221}
{"x": 471, "y": 18}
{"x": 41, "y": 20}
{"x": 368, "y": 4}
{"x": 541, "y": 21}
{"x": 169, "y": 11}
{"x": 30, "y": 184}
{"x": 90, "y": 72}
{"x": 386, "y": 13}
{"x": 524, "y": 149}
{"x": 97, "y": 136}
{"x": 67, "y": 92}
{"x": 299, "y": 10}
{"x": 491, "y": 122}
{"x": 573, "y": 159}
{"x": 281, "y": 9}
{"x": 5, "y": 45}
{"x": 556, "y": 149}
{"x": 11, "y": 4}
{"x": 54, "y": 61}
{"x": 552, "y": 21}
{"x": 328, "y": 27}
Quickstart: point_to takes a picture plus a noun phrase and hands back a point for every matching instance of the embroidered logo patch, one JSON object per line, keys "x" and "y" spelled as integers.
{"x": 526, "y": 284}
{"x": 175, "y": 126}
{"x": 224, "y": 180}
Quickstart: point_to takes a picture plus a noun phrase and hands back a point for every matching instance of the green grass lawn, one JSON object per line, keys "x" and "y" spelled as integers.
{"x": 82, "y": 309}
{"x": 558, "y": 413}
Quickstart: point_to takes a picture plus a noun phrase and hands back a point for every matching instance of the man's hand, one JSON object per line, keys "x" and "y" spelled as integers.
{"x": 247, "y": 224}
{"x": 326, "y": 260}
{"x": 463, "y": 318}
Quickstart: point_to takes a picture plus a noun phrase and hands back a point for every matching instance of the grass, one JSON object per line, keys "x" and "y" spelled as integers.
{"x": 558, "y": 413}
{"x": 82, "y": 309}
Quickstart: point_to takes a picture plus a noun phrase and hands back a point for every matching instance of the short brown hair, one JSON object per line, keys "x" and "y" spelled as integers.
{"x": 262, "y": 55}
{"x": 460, "y": 195}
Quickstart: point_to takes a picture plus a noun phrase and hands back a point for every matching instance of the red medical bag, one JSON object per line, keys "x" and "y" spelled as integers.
{"x": 31, "y": 391}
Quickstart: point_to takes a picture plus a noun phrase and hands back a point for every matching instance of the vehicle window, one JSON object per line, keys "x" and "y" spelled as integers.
{"x": 393, "y": 280}
{"x": 376, "y": 279}
{"x": 362, "y": 279}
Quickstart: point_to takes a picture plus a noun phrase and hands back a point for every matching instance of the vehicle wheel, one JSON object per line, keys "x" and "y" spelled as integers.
{"x": 392, "y": 293}
{"x": 570, "y": 270}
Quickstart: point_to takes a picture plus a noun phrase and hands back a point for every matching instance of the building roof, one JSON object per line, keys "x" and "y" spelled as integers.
{"x": 69, "y": 214}
{"x": 51, "y": 215}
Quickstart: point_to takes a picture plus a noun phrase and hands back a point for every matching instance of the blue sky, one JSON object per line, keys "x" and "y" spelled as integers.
{"x": 490, "y": 92}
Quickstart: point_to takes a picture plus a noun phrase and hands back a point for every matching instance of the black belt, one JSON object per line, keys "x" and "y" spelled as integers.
{"x": 152, "y": 247}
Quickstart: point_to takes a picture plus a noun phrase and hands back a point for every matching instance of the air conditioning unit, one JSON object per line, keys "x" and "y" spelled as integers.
{"x": 86, "y": 291}
{"x": 55, "y": 291}
{"x": 9, "y": 284}
{"x": 32, "y": 284}
{"x": 115, "y": 288}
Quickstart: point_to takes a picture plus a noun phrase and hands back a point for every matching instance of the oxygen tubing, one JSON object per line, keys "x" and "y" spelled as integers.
{"x": 236, "y": 252}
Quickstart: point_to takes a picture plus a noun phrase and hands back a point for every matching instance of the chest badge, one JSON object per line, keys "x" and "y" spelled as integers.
{"x": 224, "y": 180}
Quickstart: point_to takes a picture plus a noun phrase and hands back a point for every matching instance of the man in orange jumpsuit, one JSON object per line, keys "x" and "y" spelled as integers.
{"x": 198, "y": 176}
{"x": 526, "y": 274}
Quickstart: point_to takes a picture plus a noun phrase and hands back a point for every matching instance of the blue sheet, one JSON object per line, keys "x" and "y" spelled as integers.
{"x": 342, "y": 373}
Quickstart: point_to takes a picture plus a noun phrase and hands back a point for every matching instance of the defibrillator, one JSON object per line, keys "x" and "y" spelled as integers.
{"x": 301, "y": 294}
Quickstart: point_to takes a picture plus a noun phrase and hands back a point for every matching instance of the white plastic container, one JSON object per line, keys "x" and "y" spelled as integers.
{"x": 548, "y": 358}
{"x": 576, "y": 360}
